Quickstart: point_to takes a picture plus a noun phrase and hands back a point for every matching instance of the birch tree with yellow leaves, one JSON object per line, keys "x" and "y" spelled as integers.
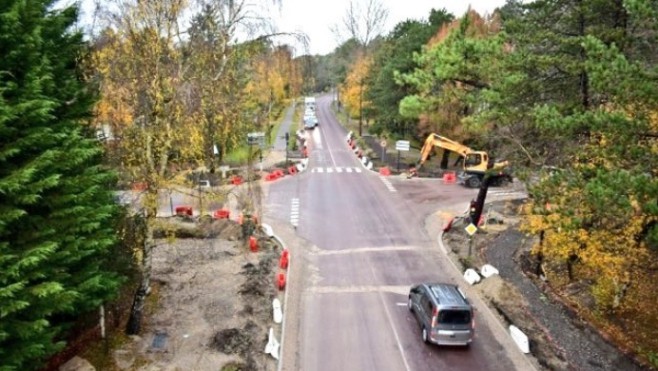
{"x": 352, "y": 91}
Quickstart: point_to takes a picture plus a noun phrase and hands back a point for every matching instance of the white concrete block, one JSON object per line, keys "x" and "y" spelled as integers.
{"x": 276, "y": 310}
{"x": 520, "y": 339}
{"x": 267, "y": 229}
{"x": 471, "y": 276}
{"x": 273, "y": 345}
{"x": 488, "y": 270}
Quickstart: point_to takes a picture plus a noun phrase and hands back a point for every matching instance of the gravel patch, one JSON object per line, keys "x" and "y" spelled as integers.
{"x": 583, "y": 348}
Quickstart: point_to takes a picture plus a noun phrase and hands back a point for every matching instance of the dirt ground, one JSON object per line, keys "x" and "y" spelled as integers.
{"x": 214, "y": 303}
{"x": 559, "y": 339}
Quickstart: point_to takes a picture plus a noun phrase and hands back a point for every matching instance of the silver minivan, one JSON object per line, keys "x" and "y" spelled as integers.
{"x": 443, "y": 313}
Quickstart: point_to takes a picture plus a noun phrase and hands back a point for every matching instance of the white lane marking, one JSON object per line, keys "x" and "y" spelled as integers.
{"x": 398, "y": 342}
{"x": 388, "y": 184}
{"x": 294, "y": 212}
{"x": 400, "y": 290}
{"x": 370, "y": 249}
{"x": 331, "y": 170}
{"x": 401, "y": 304}
{"x": 317, "y": 139}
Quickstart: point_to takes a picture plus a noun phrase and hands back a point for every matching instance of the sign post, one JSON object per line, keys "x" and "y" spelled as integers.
{"x": 256, "y": 139}
{"x": 401, "y": 145}
{"x": 470, "y": 229}
{"x": 383, "y": 144}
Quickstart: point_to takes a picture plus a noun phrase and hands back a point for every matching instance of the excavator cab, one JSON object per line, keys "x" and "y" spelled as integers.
{"x": 475, "y": 159}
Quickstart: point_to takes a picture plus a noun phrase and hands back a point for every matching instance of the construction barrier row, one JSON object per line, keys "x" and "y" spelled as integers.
{"x": 359, "y": 154}
{"x": 273, "y": 347}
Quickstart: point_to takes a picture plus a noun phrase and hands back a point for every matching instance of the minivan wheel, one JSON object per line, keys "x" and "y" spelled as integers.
{"x": 410, "y": 305}
{"x": 424, "y": 336}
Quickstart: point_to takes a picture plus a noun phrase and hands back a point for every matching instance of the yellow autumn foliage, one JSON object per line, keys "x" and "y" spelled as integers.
{"x": 352, "y": 92}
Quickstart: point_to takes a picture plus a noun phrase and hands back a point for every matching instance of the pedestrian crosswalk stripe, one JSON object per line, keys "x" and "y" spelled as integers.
{"x": 388, "y": 184}
{"x": 294, "y": 212}
{"x": 331, "y": 170}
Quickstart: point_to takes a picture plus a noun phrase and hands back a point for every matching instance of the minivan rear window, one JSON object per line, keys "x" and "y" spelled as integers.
{"x": 454, "y": 317}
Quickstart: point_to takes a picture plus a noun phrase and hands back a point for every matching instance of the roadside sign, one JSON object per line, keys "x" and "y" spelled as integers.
{"x": 471, "y": 229}
{"x": 402, "y": 145}
{"x": 383, "y": 143}
{"x": 256, "y": 138}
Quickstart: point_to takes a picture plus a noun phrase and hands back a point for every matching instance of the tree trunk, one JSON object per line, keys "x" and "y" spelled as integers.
{"x": 136, "y": 312}
{"x": 444, "y": 159}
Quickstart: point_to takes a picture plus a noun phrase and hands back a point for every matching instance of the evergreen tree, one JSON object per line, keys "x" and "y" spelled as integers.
{"x": 583, "y": 73}
{"x": 396, "y": 55}
{"x": 56, "y": 210}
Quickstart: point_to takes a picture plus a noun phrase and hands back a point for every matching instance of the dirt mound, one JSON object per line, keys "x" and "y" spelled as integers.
{"x": 232, "y": 341}
{"x": 203, "y": 227}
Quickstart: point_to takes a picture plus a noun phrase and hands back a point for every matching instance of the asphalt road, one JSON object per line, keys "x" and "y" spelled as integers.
{"x": 367, "y": 244}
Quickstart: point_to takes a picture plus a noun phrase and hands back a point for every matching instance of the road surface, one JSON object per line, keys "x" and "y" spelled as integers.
{"x": 367, "y": 244}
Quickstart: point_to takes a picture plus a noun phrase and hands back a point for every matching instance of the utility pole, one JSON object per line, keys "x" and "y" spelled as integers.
{"x": 478, "y": 205}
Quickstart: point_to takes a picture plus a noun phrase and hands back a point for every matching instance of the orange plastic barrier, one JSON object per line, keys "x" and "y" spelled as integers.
{"x": 385, "y": 171}
{"x": 271, "y": 176}
{"x": 221, "y": 214}
{"x": 184, "y": 210}
{"x": 292, "y": 170}
{"x": 253, "y": 244}
{"x": 236, "y": 180}
{"x": 449, "y": 177}
{"x": 281, "y": 281}
{"x": 283, "y": 262}
{"x": 279, "y": 173}
{"x": 448, "y": 225}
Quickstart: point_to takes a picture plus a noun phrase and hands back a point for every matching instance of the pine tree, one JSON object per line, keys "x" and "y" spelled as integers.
{"x": 395, "y": 56}
{"x": 584, "y": 74}
{"x": 56, "y": 209}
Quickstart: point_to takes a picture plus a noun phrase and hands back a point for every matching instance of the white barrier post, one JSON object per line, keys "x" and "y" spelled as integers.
{"x": 520, "y": 339}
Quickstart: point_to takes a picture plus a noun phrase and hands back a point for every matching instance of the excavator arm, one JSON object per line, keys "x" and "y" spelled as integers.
{"x": 435, "y": 140}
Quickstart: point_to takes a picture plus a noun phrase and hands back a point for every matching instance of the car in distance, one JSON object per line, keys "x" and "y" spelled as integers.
{"x": 443, "y": 313}
{"x": 310, "y": 122}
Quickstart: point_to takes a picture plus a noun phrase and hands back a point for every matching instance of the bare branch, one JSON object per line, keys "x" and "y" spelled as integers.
{"x": 362, "y": 21}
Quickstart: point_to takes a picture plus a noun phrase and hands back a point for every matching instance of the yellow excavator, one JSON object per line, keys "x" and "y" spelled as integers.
{"x": 474, "y": 163}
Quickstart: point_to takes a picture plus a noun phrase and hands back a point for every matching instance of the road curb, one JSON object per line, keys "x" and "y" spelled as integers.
{"x": 484, "y": 308}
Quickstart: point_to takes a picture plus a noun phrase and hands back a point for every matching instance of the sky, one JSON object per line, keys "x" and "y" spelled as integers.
{"x": 316, "y": 18}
